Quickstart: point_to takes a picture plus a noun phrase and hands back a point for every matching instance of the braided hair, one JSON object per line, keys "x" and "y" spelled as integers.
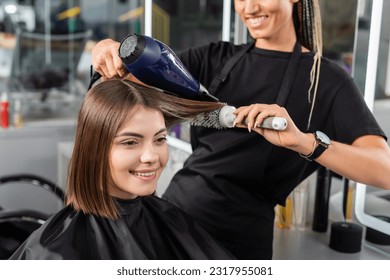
{"x": 307, "y": 21}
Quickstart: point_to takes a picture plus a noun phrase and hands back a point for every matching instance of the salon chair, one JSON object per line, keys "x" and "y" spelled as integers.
{"x": 17, "y": 225}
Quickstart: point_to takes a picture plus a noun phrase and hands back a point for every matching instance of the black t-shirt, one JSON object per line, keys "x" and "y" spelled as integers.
{"x": 233, "y": 173}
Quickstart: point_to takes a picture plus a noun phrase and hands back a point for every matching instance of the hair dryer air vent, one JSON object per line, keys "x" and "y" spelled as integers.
{"x": 131, "y": 49}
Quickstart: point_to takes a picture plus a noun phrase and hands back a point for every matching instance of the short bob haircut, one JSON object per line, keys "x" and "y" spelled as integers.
{"x": 103, "y": 112}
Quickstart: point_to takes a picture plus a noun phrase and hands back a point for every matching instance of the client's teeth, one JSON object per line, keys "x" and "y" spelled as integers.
{"x": 146, "y": 174}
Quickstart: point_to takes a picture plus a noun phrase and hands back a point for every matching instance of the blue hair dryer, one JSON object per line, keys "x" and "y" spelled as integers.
{"x": 155, "y": 64}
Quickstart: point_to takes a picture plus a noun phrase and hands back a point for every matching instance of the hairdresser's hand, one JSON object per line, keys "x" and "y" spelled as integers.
{"x": 105, "y": 59}
{"x": 291, "y": 138}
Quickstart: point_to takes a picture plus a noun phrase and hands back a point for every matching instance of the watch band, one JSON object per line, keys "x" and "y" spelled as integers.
{"x": 321, "y": 143}
{"x": 317, "y": 151}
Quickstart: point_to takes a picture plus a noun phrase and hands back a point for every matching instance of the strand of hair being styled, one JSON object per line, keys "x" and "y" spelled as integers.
{"x": 309, "y": 32}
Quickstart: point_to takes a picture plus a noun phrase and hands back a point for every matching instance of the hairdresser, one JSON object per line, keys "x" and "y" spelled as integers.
{"x": 235, "y": 177}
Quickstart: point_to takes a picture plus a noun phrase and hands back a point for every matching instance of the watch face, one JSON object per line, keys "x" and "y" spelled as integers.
{"x": 323, "y": 137}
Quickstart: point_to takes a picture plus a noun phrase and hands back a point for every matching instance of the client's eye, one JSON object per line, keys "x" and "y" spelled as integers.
{"x": 162, "y": 139}
{"x": 129, "y": 142}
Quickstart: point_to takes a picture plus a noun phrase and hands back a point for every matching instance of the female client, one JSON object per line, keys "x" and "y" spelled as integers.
{"x": 119, "y": 153}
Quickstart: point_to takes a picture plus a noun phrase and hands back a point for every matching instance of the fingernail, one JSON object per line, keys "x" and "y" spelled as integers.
{"x": 256, "y": 124}
{"x": 249, "y": 127}
{"x": 234, "y": 123}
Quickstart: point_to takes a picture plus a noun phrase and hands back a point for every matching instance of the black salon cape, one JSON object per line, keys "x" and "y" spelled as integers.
{"x": 149, "y": 228}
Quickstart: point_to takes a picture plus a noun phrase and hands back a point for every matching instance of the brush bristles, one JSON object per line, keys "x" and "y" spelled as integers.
{"x": 209, "y": 119}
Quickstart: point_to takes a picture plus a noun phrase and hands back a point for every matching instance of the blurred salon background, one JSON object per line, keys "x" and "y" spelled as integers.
{"x": 45, "y": 68}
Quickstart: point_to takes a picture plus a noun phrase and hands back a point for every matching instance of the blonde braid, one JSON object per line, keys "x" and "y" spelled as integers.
{"x": 315, "y": 71}
{"x": 310, "y": 35}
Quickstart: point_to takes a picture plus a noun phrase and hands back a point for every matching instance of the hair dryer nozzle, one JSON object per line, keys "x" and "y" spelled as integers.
{"x": 155, "y": 64}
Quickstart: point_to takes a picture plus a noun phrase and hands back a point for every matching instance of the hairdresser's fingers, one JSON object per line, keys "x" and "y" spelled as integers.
{"x": 243, "y": 112}
{"x": 240, "y": 113}
{"x": 253, "y": 115}
{"x": 254, "y": 112}
{"x": 118, "y": 65}
{"x": 98, "y": 58}
{"x": 105, "y": 59}
{"x": 102, "y": 69}
{"x": 240, "y": 109}
{"x": 268, "y": 111}
{"x": 114, "y": 64}
{"x": 111, "y": 68}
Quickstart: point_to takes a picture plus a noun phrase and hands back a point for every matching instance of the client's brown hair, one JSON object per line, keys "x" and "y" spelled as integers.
{"x": 104, "y": 110}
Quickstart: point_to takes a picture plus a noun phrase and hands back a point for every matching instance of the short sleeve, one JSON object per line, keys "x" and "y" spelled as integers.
{"x": 350, "y": 116}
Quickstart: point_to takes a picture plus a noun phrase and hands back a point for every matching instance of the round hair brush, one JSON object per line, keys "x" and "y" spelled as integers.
{"x": 224, "y": 118}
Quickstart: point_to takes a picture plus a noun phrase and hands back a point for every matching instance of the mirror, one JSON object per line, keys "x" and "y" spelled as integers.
{"x": 370, "y": 72}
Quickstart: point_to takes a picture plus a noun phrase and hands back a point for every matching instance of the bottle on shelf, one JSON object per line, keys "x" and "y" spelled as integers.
{"x": 17, "y": 114}
{"x": 4, "y": 110}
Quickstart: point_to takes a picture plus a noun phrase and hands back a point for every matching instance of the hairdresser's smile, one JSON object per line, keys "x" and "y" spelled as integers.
{"x": 138, "y": 154}
{"x": 268, "y": 21}
{"x": 256, "y": 21}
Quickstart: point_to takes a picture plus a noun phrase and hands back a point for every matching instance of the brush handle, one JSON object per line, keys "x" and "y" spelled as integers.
{"x": 275, "y": 123}
{"x": 226, "y": 119}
